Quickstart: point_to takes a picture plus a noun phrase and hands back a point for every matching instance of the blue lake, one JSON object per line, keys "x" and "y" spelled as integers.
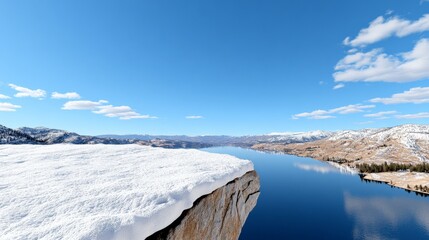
{"x": 302, "y": 198}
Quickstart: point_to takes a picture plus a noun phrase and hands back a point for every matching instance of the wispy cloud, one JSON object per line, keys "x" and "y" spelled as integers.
{"x": 414, "y": 95}
{"x": 194, "y": 117}
{"x": 26, "y": 92}
{"x": 2, "y": 96}
{"x": 382, "y": 28}
{"x": 326, "y": 114}
{"x": 8, "y": 107}
{"x": 67, "y": 95}
{"x": 354, "y": 108}
{"x": 380, "y": 115}
{"x": 316, "y": 114}
{"x": 338, "y": 86}
{"x": 121, "y": 112}
{"x": 414, "y": 116}
{"x": 374, "y": 66}
{"x": 82, "y": 105}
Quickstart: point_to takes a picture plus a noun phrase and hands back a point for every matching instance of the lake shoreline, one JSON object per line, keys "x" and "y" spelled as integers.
{"x": 287, "y": 206}
{"x": 411, "y": 179}
{"x": 404, "y": 180}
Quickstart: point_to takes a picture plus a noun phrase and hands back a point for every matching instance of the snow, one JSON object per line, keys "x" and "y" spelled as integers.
{"x": 353, "y": 134}
{"x": 103, "y": 191}
{"x": 407, "y": 134}
{"x": 305, "y": 134}
{"x": 298, "y": 136}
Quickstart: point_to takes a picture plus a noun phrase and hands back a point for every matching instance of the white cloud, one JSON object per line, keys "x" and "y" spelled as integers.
{"x": 121, "y": 112}
{"x": 353, "y": 50}
{"x": 413, "y": 116}
{"x": 2, "y": 96}
{"x": 354, "y": 108}
{"x": 82, "y": 105}
{"x": 380, "y": 115}
{"x": 338, "y": 86}
{"x": 194, "y": 117}
{"x": 317, "y": 114}
{"x": 67, "y": 95}
{"x": 326, "y": 114}
{"x": 8, "y": 107}
{"x": 376, "y": 66}
{"x": 382, "y": 28}
{"x": 414, "y": 95}
{"x": 26, "y": 92}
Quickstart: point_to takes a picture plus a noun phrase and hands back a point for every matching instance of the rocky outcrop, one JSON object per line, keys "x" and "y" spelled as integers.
{"x": 219, "y": 215}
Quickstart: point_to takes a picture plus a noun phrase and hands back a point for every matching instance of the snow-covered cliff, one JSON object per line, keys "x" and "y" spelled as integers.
{"x": 67, "y": 191}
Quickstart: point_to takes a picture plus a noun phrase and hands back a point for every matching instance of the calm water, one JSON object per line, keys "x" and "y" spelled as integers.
{"x": 302, "y": 198}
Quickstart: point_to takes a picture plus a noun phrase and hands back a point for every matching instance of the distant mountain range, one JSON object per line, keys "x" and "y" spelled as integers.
{"x": 401, "y": 144}
{"x": 364, "y": 150}
{"x": 241, "y": 141}
{"x": 11, "y": 136}
{"x": 42, "y": 135}
{"x": 405, "y": 143}
{"x": 52, "y": 136}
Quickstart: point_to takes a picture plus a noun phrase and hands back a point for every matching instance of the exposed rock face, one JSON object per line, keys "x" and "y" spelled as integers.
{"x": 219, "y": 215}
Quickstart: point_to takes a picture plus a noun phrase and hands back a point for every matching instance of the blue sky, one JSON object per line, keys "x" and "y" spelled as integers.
{"x": 213, "y": 67}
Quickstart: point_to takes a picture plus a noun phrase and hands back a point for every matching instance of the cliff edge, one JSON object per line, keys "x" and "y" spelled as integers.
{"x": 218, "y": 215}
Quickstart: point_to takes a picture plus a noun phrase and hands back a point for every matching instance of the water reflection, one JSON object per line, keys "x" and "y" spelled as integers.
{"x": 325, "y": 168}
{"x": 317, "y": 168}
{"x": 376, "y": 216}
{"x": 302, "y": 198}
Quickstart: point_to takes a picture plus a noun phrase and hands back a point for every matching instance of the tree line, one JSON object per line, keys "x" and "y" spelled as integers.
{"x": 392, "y": 167}
{"x": 420, "y": 188}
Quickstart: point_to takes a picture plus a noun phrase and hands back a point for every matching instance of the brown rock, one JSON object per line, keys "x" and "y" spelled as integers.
{"x": 219, "y": 215}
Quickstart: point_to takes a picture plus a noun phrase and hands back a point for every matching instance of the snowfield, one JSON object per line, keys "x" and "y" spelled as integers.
{"x": 103, "y": 191}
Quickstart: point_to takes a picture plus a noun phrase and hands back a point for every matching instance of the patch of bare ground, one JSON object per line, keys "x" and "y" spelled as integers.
{"x": 412, "y": 181}
{"x": 349, "y": 152}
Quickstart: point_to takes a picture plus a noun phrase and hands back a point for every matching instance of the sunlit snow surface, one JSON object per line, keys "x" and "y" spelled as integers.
{"x": 103, "y": 191}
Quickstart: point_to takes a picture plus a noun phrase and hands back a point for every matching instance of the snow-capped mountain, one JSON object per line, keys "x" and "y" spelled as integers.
{"x": 242, "y": 141}
{"x": 11, "y": 136}
{"x": 52, "y": 136}
{"x": 402, "y": 144}
{"x": 353, "y": 134}
{"x": 42, "y": 135}
{"x": 402, "y": 132}
{"x": 297, "y": 137}
{"x": 414, "y": 138}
